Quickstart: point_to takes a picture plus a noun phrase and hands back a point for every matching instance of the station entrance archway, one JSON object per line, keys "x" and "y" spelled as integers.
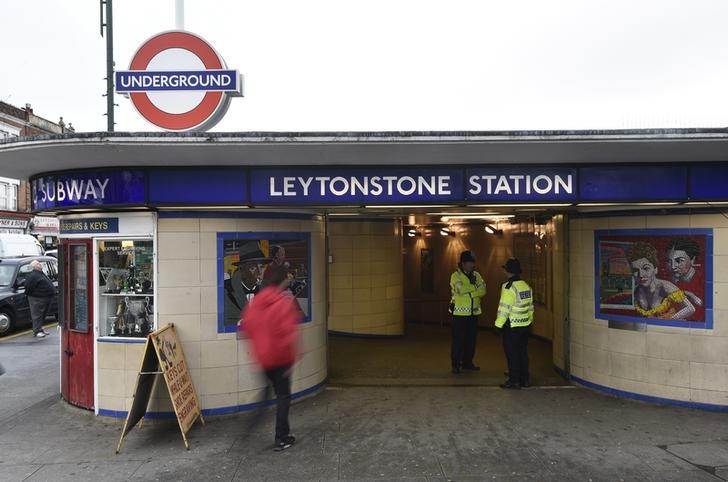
{"x": 389, "y": 293}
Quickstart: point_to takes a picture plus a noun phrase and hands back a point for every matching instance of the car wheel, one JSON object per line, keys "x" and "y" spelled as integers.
{"x": 6, "y": 322}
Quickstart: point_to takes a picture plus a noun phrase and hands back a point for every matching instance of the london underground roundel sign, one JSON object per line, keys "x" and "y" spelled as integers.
{"x": 178, "y": 82}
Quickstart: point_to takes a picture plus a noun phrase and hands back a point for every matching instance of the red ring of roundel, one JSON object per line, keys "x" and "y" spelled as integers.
{"x": 210, "y": 101}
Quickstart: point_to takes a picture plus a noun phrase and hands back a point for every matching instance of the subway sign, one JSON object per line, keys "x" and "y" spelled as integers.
{"x": 89, "y": 189}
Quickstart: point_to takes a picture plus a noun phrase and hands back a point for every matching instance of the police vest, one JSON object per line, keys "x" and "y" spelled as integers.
{"x": 466, "y": 296}
{"x": 516, "y": 304}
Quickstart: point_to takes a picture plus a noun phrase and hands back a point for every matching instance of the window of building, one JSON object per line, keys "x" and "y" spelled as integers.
{"x": 4, "y": 195}
{"x": 12, "y": 197}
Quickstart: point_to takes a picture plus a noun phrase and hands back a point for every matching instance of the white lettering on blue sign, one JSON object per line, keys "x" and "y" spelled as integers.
{"x": 360, "y": 185}
{"x": 206, "y": 80}
{"x": 521, "y": 184}
{"x": 72, "y": 190}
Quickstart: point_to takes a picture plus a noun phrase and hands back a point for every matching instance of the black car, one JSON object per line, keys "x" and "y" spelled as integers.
{"x": 14, "y": 308}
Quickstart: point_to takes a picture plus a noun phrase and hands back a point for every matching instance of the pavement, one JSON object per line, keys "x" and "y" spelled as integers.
{"x": 423, "y": 433}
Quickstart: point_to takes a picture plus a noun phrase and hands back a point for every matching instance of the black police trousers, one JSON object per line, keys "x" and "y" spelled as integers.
{"x": 464, "y": 332}
{"x": 515, "y": 346}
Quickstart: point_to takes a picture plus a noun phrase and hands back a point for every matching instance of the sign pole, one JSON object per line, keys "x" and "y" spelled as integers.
{"x": 108, "y": 22}
{"x": 179, "y": 14}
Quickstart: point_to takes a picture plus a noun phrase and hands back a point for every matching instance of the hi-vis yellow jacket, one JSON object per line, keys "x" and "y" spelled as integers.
{"x": 466, "y": 295}
{"x": 516, "y": 304}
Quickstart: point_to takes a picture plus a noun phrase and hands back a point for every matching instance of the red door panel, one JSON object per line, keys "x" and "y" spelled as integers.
{"x": 77, "y": 349}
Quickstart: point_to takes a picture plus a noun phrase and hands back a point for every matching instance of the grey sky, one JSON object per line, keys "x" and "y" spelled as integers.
{"x": 395, "y": 65}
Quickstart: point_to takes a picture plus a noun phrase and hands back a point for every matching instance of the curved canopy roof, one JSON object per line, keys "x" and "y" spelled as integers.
{"x": 24, "y": 157}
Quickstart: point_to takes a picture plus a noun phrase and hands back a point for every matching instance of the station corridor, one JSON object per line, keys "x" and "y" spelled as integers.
{"x": 422, "y": 357}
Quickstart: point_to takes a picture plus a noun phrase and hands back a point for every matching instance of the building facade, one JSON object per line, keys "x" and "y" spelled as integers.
{"x": 620, "y": 233}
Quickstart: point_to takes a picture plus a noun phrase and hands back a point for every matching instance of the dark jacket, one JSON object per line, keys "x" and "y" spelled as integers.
{"x": 37, "y": 284}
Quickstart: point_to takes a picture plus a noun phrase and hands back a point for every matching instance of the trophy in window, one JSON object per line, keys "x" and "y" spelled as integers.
{"x": 146, "y": 282}
{"x": 148, "y": 315}
{"x": 112, "y": 324}
{"x": 120, "y": 316}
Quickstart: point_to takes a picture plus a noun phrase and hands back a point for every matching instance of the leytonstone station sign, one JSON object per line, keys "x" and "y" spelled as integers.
{"x": 178, "y": 82}
{"x": 376, "y": 185}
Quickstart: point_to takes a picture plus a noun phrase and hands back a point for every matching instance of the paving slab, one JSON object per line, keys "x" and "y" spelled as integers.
{"x": 706, "y": 454}
{"x": 384, "y": 465}
{"x": 73, "y": 472}
{"x": 12, "y": 473}
{"x": 290, "y": 464}
{"x": 175, "y": 469}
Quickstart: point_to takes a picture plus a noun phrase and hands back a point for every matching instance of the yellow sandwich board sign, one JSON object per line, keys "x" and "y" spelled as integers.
{"x": 163, "y": 355}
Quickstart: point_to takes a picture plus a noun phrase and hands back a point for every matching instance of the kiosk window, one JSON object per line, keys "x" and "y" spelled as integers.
{"x": 126, "y": 287}
{"x": 78, "y": 288}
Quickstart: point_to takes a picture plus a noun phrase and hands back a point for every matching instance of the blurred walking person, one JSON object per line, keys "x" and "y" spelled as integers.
{"x": 270, "y": 323}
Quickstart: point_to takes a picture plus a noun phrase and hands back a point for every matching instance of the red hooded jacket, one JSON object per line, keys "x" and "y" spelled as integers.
{"x": 270, "y": 322}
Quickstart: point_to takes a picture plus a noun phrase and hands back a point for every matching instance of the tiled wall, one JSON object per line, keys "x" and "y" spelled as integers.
{"x": 559, "y": 254}
{"x": 221, "y": 368}
{"x": 365, "y": 278}
{"x": 674, "y": 363}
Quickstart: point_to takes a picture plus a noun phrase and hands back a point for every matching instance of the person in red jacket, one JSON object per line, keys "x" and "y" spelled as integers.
{"x": 270, "y": 323}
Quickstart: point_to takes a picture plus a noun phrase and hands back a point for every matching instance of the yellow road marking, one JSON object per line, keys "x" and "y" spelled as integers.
{"x": 6, "y": 338}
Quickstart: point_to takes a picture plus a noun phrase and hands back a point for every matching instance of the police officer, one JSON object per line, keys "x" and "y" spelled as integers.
{"x": 467, "y": 288}
{"x": 515, "y": 315}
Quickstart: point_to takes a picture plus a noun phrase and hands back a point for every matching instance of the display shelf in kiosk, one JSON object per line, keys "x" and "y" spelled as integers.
{"x": 126, "y": 291}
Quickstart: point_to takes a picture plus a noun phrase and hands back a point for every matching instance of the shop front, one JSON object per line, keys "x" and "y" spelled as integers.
{"x": 170, "y": 239}
{"x": 14, "y": 222}
{"x": 107, "y": 288}
{"x": 46, "y": 230}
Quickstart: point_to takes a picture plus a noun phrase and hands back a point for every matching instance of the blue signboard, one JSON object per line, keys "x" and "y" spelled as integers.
{"x": 633, "y": 183}
{"x": 520, "y": 184}
{"x": 198, "y": 186}
{"x": 89, "y": 225}
{"x": 213, "y": 80}
{"x": 356, "y": 186}
{"x": 38, "y": 190}
{"x": 379, "y": 185}
{"x": 709, "y": 183}
{"x": 89, "y": 188}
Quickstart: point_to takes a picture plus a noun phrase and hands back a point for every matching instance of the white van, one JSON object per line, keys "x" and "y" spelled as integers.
{"x": 18, "y": 245}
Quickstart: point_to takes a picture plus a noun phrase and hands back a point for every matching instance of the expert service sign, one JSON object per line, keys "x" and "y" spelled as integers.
{"x": 178, "y": 82}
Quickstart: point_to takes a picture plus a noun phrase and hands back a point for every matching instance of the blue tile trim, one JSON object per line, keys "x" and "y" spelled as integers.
{"x": 215, "y": 411}
{"x": 361, "y": 335}
{"x": 650, "y": 398}
{"x": 121, "y": 340}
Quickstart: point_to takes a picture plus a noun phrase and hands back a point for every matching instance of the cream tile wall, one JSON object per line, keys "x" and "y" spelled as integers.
{"x": 674, "y": 363}
{"x": 365, "y": 278}
{"x": 221, "y": 368}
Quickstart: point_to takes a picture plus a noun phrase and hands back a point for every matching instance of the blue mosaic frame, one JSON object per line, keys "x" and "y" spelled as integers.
{"x": 276, "y": 235}
{"x": 708, "y": 264}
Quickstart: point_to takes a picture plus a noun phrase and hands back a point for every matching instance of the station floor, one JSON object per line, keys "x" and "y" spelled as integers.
{"x": 422, "y": 357}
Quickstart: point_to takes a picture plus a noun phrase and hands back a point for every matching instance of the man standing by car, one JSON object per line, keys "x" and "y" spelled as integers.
{"x": 40, "y": 292}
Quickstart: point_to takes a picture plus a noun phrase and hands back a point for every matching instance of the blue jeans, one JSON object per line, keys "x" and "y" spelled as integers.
{"x": 38, "y": 311}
